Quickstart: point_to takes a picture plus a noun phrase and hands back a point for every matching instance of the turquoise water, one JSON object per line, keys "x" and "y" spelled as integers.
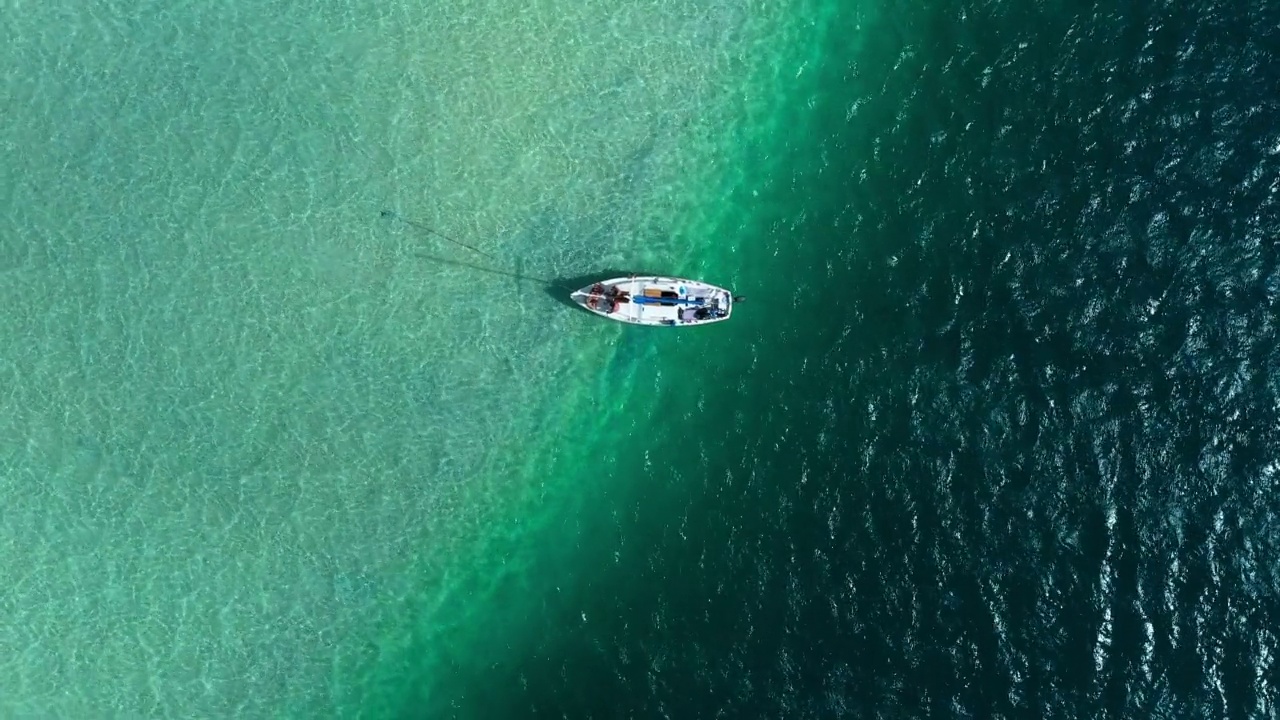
{"x": 262, "y": 454}
{"x": 993, "y": 435}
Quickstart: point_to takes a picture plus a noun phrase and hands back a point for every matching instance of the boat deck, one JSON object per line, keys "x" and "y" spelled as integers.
{"x": 657, "y": 301}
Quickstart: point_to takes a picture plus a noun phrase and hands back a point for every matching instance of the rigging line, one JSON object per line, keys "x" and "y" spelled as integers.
{"x": 391, "y": 214}
{"x": 396, "y": 216}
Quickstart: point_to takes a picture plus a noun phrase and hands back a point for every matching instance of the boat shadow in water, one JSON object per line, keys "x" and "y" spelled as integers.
{"x": 559, "y": 289}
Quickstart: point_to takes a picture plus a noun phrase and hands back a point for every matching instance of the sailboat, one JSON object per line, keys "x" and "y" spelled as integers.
{"x": 660, "y": 301}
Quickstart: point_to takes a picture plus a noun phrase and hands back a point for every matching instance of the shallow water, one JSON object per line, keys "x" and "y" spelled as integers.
{"x": 991, "y": 437}
{"x": 252, "y": 432}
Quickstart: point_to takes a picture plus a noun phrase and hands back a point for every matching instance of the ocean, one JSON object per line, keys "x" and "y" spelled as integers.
{"x": 993, "y": 435}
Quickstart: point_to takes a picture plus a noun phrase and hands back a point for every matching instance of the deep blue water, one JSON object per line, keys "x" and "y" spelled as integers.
{"x": 1001, "y": 438}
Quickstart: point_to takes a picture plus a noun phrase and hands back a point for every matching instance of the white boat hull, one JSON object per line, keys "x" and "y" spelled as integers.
{"x": 657, "y": 301}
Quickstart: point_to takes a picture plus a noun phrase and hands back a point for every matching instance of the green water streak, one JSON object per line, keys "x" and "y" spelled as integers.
{"x": 594, "y": 463}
